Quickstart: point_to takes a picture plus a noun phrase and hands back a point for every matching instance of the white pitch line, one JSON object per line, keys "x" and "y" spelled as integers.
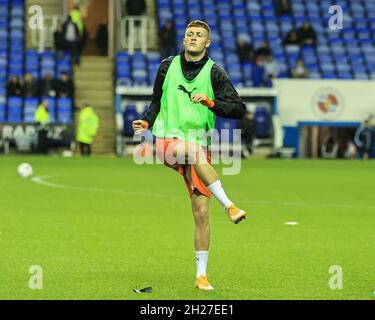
{"x": 291, "y": 223}
{"x": 41, "y": 180}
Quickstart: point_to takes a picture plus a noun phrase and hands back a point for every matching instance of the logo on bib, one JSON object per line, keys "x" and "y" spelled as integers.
{"x": 182, "y": 88}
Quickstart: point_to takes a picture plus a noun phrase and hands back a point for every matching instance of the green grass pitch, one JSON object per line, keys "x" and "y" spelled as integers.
{"x": 100, "y": 227}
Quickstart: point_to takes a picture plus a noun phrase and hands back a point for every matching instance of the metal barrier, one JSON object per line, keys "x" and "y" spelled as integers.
{"x": 134, "y": 33}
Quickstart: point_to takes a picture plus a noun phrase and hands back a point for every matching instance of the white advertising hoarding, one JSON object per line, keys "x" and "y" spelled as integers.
{"x": 321, "y": 101}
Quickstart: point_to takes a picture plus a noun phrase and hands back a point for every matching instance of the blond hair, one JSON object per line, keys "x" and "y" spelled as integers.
{"x": 200, "y": 24}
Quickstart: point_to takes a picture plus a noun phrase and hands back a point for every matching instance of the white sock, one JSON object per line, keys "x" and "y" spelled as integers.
{"x": 202, "y": 259}
{"x": 219, "y": 193}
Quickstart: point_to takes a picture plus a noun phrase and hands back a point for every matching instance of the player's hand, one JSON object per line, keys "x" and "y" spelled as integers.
{"x": 203, "y": 99}
{"x": 198, "y": 98}
{"x": 139, "y": 126}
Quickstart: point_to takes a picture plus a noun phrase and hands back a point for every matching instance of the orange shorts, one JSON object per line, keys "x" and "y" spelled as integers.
{"x": 164, "y": 151}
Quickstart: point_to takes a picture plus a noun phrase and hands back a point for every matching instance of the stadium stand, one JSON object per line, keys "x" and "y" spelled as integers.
{"x": 349, "y": 54}
{"x": 15, "y": 60}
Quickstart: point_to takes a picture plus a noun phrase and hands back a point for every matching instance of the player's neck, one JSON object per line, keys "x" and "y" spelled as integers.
{"x": 194, "y": 58}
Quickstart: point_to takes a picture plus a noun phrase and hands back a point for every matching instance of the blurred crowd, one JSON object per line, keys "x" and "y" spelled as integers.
{"x": 28, "y": 87}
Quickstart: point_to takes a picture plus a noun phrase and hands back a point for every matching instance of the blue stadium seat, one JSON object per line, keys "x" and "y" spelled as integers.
{"x": 262, "y": 121}
{"x": 257, "y": 76}
{"x": 2, "y": 113}
{"x": 14, "y": 109}
{"x": 64, "y": 67}
{"x": 30, "y": 107}
{"x": 122, "y": 57}
{"x": 123, "y": 71}
{"x": 65, "y": 118}
{"x": 258, "y": 19}
{"x": 140, "y": 77}
{"x": 315, "y": 75}
{"x": 130, "y": 114}
{"x": 64, "y": 104}
{"x": 225, "y": 128}
{"x": 64, "y": 110}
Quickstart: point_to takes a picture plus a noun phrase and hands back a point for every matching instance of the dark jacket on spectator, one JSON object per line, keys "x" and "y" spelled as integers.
{"x": 30, "y": 89}
{"x": 244, "y": 51}
{"x": 292, "y": 38}
{"x": 59, "y": 40}
{"x": 14, "y": 89}
{"x": 263, "y": 51}
{"x": 167, "y": 37}
{"x": 48, "y": 87}
{"x": 283, "y": 7}
{"x": 305, "y": 34}
{"x": 135, "y": 7}
{"x": 64, "y": 29}
{"x": 65, "y": 89}
{"x": 102, "y": 39}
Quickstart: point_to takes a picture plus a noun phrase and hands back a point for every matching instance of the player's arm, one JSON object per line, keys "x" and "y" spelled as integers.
{"x": 228, "y": 103}
{"x": 149, "y": 117}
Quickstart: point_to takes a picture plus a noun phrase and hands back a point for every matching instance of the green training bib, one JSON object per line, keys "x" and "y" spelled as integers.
{"x": 179, "y": 117}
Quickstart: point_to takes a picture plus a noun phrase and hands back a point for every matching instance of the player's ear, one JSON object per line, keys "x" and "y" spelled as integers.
{"x": 208, "y": 43}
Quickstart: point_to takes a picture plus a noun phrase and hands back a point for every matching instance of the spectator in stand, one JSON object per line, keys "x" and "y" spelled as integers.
{"x": 59, "y": 42}
{"x": 102, "y": 38}
{"x": 167, "y": 38}
{"x": 292, "y": 38}
{"x": 263, "y": 51}
{"x": 258, "y": 72}
{"x": 283, "y": 7}
{"x": 88, "y": 125}
{"x": 72, "y": 39}
{"x": 48, "y": 86}
{"x": 247, "y": 127}
{"x": 65, "y": 87}
{"x": 76, "y": 17}
{"x": 271, "y": 70}
{"x": 30, "y": 87}
{"x": 14, "y": 87}
{"x": 364, "y": 140}
{"x": 244, "y": 50}
{"x": 300, "y": 71}
{"x": 136, "y": 7}
{"x": 42, "y": 118}
{"x": 307, "y": 35}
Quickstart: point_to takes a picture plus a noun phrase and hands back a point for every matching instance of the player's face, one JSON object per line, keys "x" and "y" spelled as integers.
{"x": 196, "y": 40}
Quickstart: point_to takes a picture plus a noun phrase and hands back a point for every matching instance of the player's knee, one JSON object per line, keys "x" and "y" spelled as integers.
{"x": 196, "y": 154}
{"x": 201, "y": 215}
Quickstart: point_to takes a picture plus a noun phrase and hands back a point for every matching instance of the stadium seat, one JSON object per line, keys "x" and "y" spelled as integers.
{"x": 229, "y": 19}
{"x": 14, "y": 109}
{"x": 226, "y": 128}
{"x": 262, "y": 121}
{"x": 64, "y": 110}
{"x": 30, "y": 107}
{"x": 130, "y": 114}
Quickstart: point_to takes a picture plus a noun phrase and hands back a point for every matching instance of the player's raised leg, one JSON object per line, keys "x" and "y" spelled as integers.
{"x": 196, "y": 156}
{"x": 200, "y": 208}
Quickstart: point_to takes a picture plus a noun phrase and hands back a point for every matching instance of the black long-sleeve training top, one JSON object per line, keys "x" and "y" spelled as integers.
{"x": 228, "y": 103}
